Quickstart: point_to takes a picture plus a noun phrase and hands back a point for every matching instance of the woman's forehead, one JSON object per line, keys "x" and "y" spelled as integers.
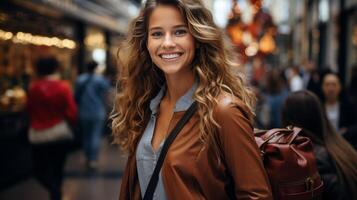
{"x": 167, "y": 16}
{"x": 331, "y": 78}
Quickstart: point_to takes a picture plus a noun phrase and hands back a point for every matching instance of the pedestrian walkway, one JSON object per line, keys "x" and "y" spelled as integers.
{"x": 79, "y": 184}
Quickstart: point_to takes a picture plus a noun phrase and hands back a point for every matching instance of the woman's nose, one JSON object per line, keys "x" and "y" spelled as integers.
{"x": 168, "y": 42}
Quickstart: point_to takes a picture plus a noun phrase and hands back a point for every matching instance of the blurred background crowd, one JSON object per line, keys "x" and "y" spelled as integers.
{"x": 281, "y": 45}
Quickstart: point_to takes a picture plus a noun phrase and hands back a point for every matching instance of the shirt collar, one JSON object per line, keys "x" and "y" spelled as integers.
{"x": 182, "y": 104}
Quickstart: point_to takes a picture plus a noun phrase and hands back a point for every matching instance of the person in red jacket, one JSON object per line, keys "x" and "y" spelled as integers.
{"x": 50, "y": 102}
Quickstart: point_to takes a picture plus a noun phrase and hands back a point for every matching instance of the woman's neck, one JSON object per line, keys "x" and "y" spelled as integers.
{"x": 331, "y": 101}
{"x": 176, "y": 88}
{"x": 55, "y": 76}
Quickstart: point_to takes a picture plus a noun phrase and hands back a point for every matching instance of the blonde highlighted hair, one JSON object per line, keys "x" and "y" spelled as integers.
{"x": 140, "y": 80}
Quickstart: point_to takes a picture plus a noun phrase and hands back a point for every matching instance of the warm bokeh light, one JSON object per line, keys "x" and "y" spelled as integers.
{"x": 95, "y": 40}
{"x": 28, "y": 38}
{"x": 252, "y": 49}
{"x": 267, "y": 43}
{"x": 5, "y": 35}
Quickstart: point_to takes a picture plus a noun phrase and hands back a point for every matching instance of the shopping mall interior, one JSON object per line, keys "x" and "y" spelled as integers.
{"x": 288, "y": 35}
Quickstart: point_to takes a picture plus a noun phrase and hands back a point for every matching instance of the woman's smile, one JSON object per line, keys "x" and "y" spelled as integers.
{"x": 170, "y": 44}
{"x": 169, "y": 57}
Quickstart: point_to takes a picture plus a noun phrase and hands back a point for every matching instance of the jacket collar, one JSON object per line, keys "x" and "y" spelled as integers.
{"x": 182, "y": 104}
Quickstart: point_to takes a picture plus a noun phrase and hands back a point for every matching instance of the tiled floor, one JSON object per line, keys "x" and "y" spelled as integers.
{"x": 79, "y": 184}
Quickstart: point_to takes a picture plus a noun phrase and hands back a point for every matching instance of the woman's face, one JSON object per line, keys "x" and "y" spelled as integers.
{"x": 331, "y": 87}
{"x": 170, "y": 44}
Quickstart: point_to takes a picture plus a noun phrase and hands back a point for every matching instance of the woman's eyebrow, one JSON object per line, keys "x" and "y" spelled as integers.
{"x": 160, "y": 28}
{"x": 180, "y": 26}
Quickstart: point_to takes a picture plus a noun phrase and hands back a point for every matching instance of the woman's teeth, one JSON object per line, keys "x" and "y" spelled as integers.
{"x": 170, "y": 56}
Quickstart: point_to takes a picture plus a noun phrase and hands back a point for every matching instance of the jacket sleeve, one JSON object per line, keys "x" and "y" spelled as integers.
{"x": 124, "y": 186}
{"x": 130, "y": 188}
{"x": 240, "y": 152}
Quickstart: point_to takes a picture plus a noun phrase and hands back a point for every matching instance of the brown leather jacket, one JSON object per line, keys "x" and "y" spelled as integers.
{"x": 192, "y": 170}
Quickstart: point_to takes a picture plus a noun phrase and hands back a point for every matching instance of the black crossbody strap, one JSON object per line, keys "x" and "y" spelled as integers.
{"x": 155, "y": 175}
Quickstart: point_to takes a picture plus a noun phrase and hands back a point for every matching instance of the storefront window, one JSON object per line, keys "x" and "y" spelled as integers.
{"x": 96, "y": 47}
{"x": 24, "y": 37}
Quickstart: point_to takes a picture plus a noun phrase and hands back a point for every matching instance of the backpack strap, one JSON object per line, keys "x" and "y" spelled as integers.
{"x": 155, "y": 175}
{"x": 287, "y": 135}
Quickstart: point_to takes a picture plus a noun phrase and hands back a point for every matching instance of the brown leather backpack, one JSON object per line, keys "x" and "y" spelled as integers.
{"x": 290, "y": 164}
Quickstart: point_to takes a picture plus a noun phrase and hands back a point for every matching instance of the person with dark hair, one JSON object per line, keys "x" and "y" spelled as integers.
{"x": 90, "y": 95}
{"x": 311, "y": 77}
{"x": 336, "y": 158}
{"x": 337, "y": 106}
{"x": 274, "y": 95}
{"x": 50, "y": 102}
{"x": 91, "y": 66}
{"x": 46, "y": 66}
{"x": 173, "y": 59}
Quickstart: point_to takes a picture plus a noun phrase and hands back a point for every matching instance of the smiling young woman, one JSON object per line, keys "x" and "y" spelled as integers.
{"x": 175, "y": 55}
{"x": 170, "y": 44}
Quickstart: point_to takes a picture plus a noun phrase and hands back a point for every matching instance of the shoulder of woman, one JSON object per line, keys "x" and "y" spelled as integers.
{"x": 323, "y": 159}
{"x": 229, "y": 105}
{"x": 64, "y": 85}
{"x": 320, "y": 152}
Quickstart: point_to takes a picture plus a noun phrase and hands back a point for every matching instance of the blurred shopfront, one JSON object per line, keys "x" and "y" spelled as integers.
{"x": 325, "y": 31}
{"x": 73, "y": 31}
{"x": 25, "y": 36}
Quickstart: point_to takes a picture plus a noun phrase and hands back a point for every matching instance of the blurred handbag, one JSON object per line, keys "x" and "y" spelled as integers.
{"x": 290, "y": 163}
{"x": 60, "y": 132}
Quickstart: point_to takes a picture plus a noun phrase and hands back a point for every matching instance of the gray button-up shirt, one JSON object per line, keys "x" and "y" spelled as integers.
{"x": 146, "y": 157}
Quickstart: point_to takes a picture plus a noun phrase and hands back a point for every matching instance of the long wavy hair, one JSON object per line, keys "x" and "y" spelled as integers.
{"x": 140, "y": 80}
{"x": 305, "y": 110}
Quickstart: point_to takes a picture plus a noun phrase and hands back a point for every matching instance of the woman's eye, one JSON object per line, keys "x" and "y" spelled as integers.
{"x": 180, "y": 32}
{"x": 156, "y": 34}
